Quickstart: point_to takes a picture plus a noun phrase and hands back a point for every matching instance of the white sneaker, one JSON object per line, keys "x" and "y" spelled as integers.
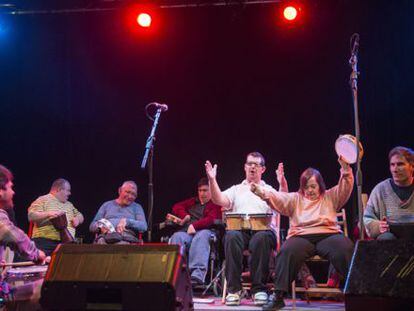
{"x": 233, "y": 299}
{"x": 260, "y": 298}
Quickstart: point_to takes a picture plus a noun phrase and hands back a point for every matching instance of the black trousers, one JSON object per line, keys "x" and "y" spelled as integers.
{"x": 336, "y": 248}
{"x": 46, "y": 245}
{"x": 260, "y": 244}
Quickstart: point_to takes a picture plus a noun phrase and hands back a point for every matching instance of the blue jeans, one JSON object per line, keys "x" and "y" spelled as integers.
{"x": 198, "y": 248}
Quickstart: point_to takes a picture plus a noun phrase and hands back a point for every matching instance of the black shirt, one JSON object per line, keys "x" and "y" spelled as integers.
{"x": 404, "y": 193}
{"x": 196, "y": 213}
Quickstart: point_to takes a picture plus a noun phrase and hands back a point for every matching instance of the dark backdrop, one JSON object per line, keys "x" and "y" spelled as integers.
{"x": 74, "y": 86}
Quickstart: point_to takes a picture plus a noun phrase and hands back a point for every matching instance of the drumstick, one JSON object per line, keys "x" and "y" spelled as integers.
{"x": 18, "y": 264}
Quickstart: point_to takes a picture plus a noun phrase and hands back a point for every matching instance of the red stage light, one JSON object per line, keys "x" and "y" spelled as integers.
{"x": 290, "y": 13}
{"x": 144, "y": 20}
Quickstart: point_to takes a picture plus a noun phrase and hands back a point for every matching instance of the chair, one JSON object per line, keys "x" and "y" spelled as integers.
{"x": 30, "y": 230}
{"x": 246, "y": 282}
{"x": 356, "y": 233}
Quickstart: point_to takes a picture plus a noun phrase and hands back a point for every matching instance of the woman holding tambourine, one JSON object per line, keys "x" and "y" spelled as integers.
{"x": 313, "y": 225}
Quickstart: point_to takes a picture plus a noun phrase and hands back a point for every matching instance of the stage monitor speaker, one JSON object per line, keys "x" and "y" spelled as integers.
{"x": 381, "y": 276}
{"x": 117, "y": 277}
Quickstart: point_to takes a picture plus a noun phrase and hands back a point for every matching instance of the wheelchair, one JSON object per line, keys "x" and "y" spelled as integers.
{"x": 215, "y": 273}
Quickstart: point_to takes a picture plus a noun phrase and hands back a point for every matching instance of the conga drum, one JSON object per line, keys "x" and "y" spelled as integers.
{"x": 235, "y": 221}
{"x": 260, "y": 221}
{"x": 60, "y": 223}
{"x": 255, "y": 222}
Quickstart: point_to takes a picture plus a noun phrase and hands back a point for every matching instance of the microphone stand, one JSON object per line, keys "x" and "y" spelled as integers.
{"x": 353, "y": 81}
{"x": 149, "y": 155}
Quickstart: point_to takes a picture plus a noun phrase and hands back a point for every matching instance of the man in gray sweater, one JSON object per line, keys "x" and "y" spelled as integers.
{"x": 392, "y": 199}
{"x": 123, "y": 217}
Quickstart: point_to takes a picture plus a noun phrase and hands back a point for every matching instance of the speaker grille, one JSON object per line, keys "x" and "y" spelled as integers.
{"x": 113, "y": 263}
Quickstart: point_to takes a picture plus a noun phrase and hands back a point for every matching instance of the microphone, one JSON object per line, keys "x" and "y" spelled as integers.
{"x": 355, "y": 44}
{"x": 163, "y": 107}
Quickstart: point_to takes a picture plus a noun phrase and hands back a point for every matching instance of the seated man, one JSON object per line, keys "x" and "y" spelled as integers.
{"x": 392, "y": 199}
{"x": 10, "y": 235}
{"x": 197, "y": 216}
{"x": 49, "y": 206}
{"x": 260, "y": 243}
{"x": 118, "y": 221}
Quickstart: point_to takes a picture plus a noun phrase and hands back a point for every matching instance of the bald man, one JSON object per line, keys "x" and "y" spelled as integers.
{"x": 49, "y": 206}
{"x": 122, "y": 217}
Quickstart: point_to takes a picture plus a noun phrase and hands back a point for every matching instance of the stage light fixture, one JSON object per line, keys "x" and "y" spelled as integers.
{"x": 144, "y": 20}
{"x": 290, "y": 13}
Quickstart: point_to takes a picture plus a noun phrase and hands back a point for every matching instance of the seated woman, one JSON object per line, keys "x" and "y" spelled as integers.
{"x": 313, "y": 227}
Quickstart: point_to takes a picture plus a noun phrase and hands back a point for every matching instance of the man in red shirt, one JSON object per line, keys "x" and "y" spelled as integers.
{"x": 197, "y": 216}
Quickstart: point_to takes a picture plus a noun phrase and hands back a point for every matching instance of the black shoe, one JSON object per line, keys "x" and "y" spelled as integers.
{"x": 274, "y": 303}
{"x": 195, "y": 282}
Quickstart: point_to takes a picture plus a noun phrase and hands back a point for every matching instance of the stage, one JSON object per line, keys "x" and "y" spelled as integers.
{"x": 214, "y": 303}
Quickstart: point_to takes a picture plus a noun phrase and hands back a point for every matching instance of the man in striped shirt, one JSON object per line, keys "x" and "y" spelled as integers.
{"x": 49, "y": 206}
{"x": 10, "y": 235}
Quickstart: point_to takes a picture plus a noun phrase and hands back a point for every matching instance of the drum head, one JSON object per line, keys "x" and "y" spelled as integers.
{"x": 31, "y": 272}
{"x": 29, "y": 269}
{"x": 345, "y": 146}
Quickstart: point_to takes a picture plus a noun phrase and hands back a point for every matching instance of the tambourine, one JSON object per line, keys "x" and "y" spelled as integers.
{"x": 103, "y": 222}
{"x": 346, "y": 147}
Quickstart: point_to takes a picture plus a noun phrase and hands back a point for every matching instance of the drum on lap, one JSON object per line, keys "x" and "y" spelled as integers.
{"x": 25, "y": 282}
{"x": 254, "y": 222}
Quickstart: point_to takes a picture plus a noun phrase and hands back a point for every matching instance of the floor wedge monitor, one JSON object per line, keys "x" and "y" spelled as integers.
{"x": 381, "y": 276}
{"x": 117, "y": 277}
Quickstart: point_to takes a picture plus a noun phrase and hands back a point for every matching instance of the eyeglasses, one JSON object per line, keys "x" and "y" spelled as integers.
{"x": 251, "y": 164}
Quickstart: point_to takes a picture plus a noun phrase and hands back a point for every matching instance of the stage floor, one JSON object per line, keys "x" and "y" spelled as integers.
{"x": 214, "y": 303}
